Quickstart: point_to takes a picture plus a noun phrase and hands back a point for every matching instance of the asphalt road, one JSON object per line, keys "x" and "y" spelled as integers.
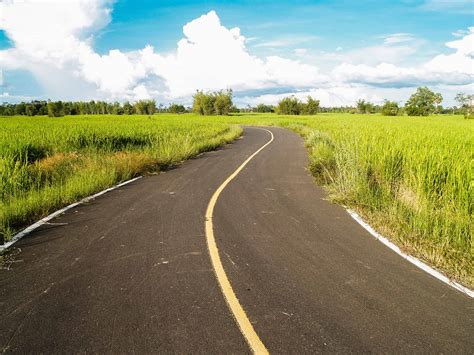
{"x": 130, "y": 271}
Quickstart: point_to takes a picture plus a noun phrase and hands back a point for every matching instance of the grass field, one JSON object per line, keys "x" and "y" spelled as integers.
{"x": 411, "y": 178}
{"x": 46, "y": 163}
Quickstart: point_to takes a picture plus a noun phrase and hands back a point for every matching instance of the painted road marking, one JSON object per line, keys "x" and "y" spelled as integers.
{"x": 45, "y": 220}
{"x": 411, "y": 259}
{"x": 254, "y": 342}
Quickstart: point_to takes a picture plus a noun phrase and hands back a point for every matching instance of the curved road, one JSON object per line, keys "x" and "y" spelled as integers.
{"x": 130, "y": 272}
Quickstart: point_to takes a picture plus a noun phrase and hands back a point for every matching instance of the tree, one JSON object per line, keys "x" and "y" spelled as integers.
{"x": 289, "y": 106}
{"x": 466, "y": 102}
{"x": 213, "y": 103}
{"x": 423, "y": 102}
{"x": 55, "y": 109}
{"x": 365, "y": 106}
{"x": 262, "y": 108}
{"x": 203, "y": 104}
{"x": 390, "y": 108}
{"x": 128, "y": 109}
{"x": 176, "y": 108}
{"x": 145, "y": 107}
{"x": 223, "y": 102}
{"x": 311, "y": 107}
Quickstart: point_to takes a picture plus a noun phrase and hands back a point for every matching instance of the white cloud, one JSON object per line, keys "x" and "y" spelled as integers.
{"x": 54, "y": 41}
{"x": 455, "y": 69}
{"x": 210, "y": 56}
{"x": 398, "y": 38}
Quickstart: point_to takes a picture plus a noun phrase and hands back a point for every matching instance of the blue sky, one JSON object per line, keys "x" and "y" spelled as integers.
{"x": 332, "y": 38}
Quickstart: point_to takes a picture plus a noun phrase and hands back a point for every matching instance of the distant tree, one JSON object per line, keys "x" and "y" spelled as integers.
{"x": 203, "y": 104}
{"x": 223, "y": 102}
{"x": 466, "y": 103}
{"x": 390, "y": 108}
{"x": 214, "y": 103}
{"x": 128, "y": 109}
{"x": 365, "y": 106}
{"x": 30, "y": 110}
{"x": 55, "y": 109}
{"x": 262, "y": 108}
{"x": 423, "y": 102}
{"x": 311, "y": 107}
{"x": 289, "y": 106}
{"x": 20, "y": 108}
{"x": 145, "y": 107}
{"x": 176, "y": 108}
{"x": 117, "y": 109}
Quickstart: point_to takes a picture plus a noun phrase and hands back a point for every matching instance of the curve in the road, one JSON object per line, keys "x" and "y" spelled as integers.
{"x": 256, "y": 345}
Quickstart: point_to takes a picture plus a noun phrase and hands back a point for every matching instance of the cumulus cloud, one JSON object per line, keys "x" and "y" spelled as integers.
{"x": 451, "y": 69}
{"x": 210, "y": 56}
{"x": 54, "y": 41}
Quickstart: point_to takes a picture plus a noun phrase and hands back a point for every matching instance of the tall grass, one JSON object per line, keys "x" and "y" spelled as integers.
{"x": 46, "y": 163}
{"x": 411, "y": 178}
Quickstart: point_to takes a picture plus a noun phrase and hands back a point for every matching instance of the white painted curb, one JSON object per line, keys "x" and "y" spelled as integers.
{"x": 44, "y": 220}
{"x": 411, "y": 259}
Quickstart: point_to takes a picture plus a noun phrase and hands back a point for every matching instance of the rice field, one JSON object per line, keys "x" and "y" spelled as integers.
{"x": 409, "y": 177}
{"x": 46, "y": 163}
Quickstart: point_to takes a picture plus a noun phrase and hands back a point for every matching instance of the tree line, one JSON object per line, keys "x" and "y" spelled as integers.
{"x": 62, "y": 108}
{"x": 422, "y": 103}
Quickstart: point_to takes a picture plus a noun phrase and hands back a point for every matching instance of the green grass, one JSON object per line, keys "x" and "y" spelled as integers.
{"x": 409, "y": 177}
{"x": 46, "y": 163}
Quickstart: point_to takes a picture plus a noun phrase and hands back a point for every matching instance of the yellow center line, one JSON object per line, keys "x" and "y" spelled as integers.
{"x": 254, "y": 342}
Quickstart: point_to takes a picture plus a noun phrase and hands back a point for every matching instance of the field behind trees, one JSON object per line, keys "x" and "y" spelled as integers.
{"x": 411, "y": 178}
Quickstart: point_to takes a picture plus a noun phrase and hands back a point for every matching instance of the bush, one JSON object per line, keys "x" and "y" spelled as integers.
{"x": 390, "y": 108}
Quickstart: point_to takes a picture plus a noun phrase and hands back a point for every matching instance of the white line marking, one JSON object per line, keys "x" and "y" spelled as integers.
{"x": 44, "y": 220}
{"x": 246, "y": 328}
{"x": 411, "y": 259}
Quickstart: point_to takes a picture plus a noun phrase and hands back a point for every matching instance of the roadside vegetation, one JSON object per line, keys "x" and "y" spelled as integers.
{"x": 46, "y": 163}
{"x": 408, "y": 176}
{"x": 411, "y": 179}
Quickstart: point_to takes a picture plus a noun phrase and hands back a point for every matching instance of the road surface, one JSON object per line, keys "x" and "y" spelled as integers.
{"x": 130, "y": 272}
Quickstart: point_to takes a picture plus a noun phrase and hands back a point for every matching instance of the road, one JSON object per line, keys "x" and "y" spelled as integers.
{"x": 130, "y": 272}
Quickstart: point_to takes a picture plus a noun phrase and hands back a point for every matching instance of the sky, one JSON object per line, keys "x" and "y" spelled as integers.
{"x": 336, "y": 51}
